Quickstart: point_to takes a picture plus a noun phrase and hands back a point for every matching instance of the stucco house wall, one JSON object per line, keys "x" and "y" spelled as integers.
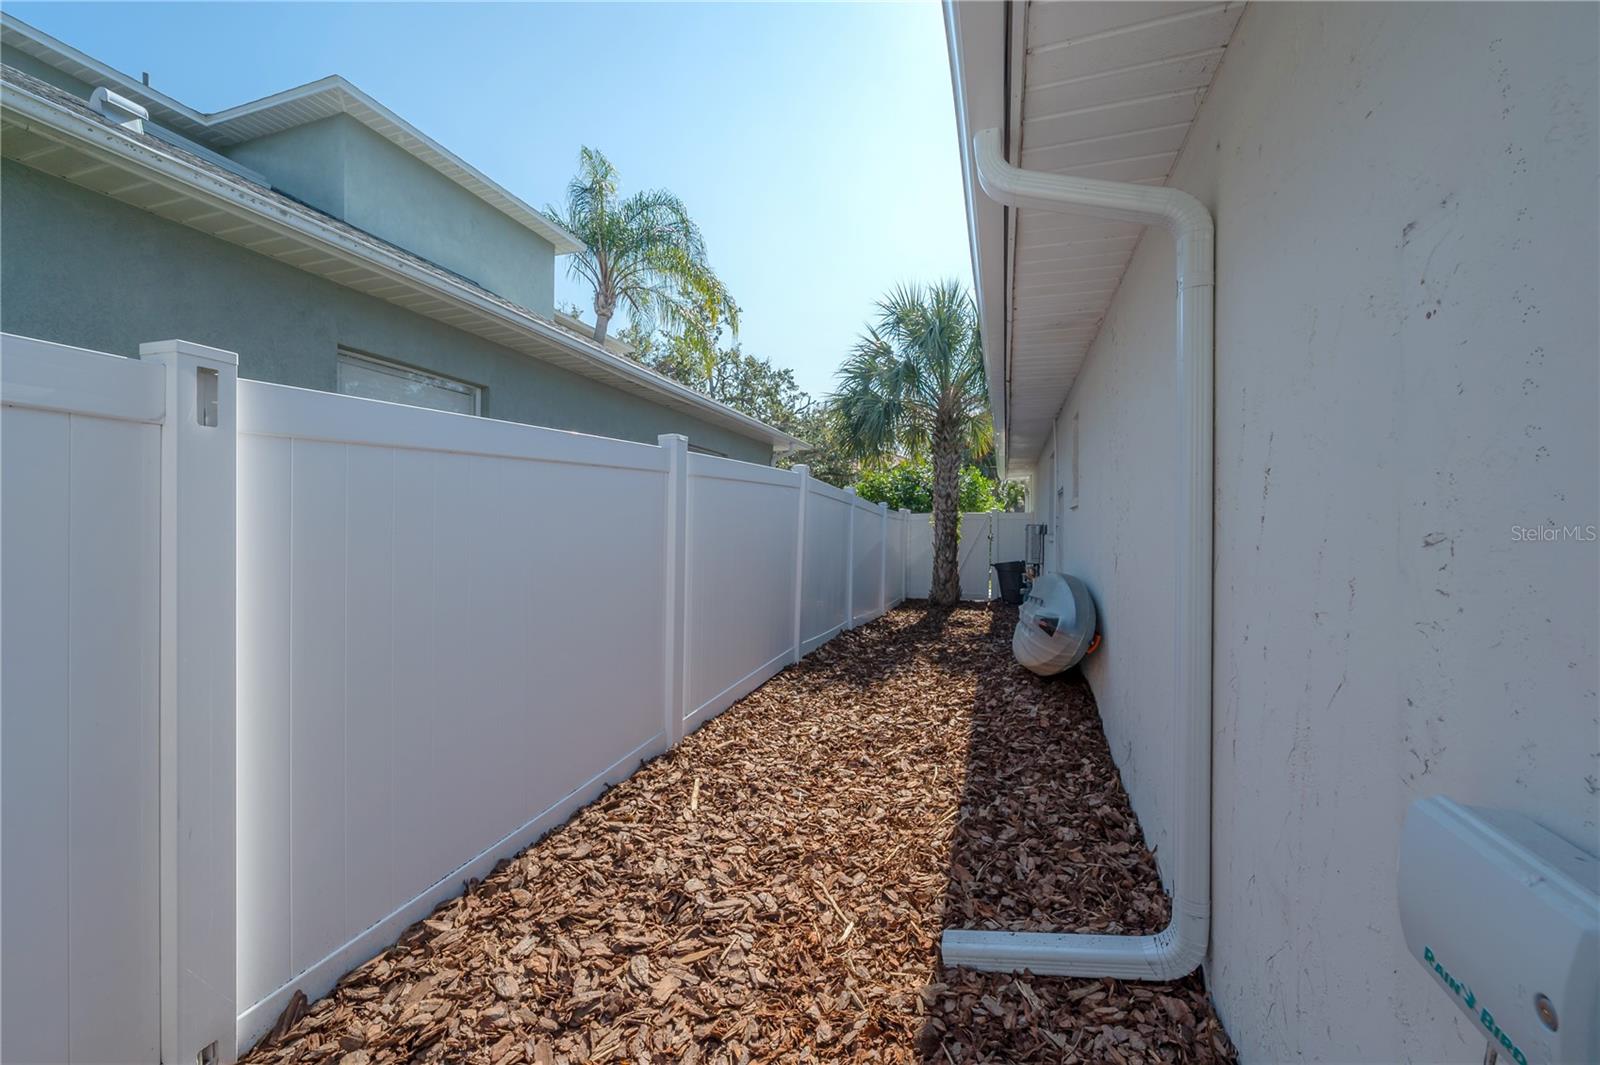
{"x": 1406, "y": 360}
{"x": 307, "y": 162}
{"x": 79, "y": 268}
{"x": 340, "y": 166}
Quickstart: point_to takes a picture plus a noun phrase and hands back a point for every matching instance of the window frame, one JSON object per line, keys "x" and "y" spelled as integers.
{"x": 403, "y": 370}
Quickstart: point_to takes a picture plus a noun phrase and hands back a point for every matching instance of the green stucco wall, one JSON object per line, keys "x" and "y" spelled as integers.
{"x": 306, "y": 162}
{"x": 80, "y": 268}
{"x": 340, "y": 166}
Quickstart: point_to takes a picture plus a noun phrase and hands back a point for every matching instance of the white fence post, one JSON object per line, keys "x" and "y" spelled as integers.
{"x": 803, "y": 474}
{"x": 850, "y": 559}
{"x": 883, "y": 559}
{"x": 197, "y": 721}
{"x": 905, "y": 551}
{"x": 988, "y": 570}
{"x": 676, "y": 446}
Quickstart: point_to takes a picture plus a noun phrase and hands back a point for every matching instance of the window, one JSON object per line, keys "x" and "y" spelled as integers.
{"x": 370, "y": 378}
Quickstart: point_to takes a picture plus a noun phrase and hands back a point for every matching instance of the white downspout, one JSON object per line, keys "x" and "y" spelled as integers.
{"x": 1178, "y": 949}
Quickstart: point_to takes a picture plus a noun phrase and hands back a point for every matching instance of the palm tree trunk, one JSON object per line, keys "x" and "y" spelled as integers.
{"x": 946, "y": 587}
{"x": 605, "y": 305}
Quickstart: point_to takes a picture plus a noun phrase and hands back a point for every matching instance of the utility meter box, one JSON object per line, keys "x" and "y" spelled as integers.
{"x": 1505, "y": 915}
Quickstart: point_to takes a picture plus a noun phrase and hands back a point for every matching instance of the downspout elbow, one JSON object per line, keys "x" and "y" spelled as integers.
{"x": 1176, "y": 211}
{"x": 1178, "y": 949}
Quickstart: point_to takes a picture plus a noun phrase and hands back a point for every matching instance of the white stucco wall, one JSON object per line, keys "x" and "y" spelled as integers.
{"x": 1405, "y": 199}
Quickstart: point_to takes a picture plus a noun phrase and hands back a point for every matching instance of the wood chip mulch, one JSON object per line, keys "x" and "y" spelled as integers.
{"x": 774, "y": 889}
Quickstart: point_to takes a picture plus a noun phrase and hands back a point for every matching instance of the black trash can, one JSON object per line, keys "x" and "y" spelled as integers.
{"x": 1010, "y": 577}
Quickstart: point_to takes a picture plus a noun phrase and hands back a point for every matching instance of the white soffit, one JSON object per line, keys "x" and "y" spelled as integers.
{"x": 1108, "y": 90}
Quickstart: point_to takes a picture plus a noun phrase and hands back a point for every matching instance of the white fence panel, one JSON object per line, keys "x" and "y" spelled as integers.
{"x": 972, "y": 555}
{"x": 743, "y": 530}
{"x": 436, "y": 662}
{"x": 866, "y": 597}
{"x": 118, "y": 777}
{"x": 80, "y": 440}
{"x": 1010, "y": 536}
{"x": 822, "y": 611}
{"x": 895, "y": 567}
{"x": 919, "y": 556}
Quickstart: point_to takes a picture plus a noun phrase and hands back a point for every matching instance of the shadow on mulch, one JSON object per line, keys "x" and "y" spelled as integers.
{"x": 773, "y": 889}
{"x": 864, "y": 651}
{"x": 1045, "y": 841}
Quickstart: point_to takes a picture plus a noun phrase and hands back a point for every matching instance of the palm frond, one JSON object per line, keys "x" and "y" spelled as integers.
{"x": 645, "y": 254}
{"x": 919, "y": 366}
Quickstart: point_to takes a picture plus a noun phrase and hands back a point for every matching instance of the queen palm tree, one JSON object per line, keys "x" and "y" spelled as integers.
{"x": 646, "y": 254}
{"x": 914, "y": 385}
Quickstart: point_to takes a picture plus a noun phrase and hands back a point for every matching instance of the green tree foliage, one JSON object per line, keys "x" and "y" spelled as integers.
{"x": 1013, "y": 495}
{"x": 914, "y": 386}
{"x": 754, "y": 386}
{"x": 827, "y": 452}
{"x": 646, "y": 254}
{"x": 747, "y": 383}
{"x": 908, "y": 484}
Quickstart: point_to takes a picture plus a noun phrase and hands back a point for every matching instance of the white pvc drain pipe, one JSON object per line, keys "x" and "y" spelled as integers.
{"x": 1176, "y": 950}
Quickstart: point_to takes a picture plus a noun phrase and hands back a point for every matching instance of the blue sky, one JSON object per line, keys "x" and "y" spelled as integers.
{"x": 814, "y": 143}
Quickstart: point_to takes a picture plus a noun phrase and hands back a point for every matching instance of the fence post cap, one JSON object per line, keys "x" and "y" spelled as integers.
{"x": 158, "y": 348}
{"x": 802, "y": 469}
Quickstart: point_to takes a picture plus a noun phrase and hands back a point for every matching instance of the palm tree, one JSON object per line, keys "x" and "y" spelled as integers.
{"x": 914, "y": 385}
{"x": 646, "y": 254}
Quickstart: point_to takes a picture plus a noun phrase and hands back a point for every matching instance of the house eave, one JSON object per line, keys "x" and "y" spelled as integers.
{"x": 1100, "y": 91}
{"x": 104, "y": 159}
{"x": 285, "y": 110}
{"x": 974, "y": 32}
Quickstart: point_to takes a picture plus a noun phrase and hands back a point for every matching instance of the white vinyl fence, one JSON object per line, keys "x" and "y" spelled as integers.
{"x": 116, "y": 548}
{"x": 986, "y": 538}
{"x": 354, "y": 653}
{"x": 81, "y": 579}
{"x": 1010, "y": 540}
{"x": 438, "y": 663}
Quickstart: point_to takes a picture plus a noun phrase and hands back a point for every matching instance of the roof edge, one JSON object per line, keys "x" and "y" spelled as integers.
{"x": 335, "y": 89}
{"x": 304, "y": 223}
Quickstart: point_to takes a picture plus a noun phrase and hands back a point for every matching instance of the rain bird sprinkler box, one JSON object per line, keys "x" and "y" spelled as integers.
{"x": 1505, "y": 916}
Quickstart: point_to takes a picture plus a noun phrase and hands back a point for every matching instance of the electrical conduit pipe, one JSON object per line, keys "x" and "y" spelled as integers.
{"x": 1179, "y": 948}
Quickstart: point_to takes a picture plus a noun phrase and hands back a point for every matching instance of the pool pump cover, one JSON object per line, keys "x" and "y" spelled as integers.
{"x": 1056, "y": 625}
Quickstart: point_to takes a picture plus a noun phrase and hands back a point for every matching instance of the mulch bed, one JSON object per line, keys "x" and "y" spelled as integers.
{"x": 774, "y": 889}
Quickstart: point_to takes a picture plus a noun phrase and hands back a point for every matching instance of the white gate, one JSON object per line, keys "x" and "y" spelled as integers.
{"x": 1010, "y": 537}
{"x": 972, "y": 556}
